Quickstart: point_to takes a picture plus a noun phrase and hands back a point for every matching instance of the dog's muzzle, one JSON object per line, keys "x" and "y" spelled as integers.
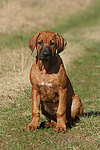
{"x": 45, "y": 54}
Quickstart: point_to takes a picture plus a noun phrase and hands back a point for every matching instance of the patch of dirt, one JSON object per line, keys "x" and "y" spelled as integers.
{"x": 23, "y": 15}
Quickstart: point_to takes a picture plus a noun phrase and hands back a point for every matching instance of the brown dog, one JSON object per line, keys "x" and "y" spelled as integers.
{"x": 51, "y": 88}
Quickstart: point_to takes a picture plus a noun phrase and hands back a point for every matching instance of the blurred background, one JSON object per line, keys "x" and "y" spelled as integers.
{"x": 20, "y": 19}
{"x": 29, "y": 15}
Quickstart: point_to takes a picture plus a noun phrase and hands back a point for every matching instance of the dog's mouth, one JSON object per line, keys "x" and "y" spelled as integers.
{"x": 45, "y": 54}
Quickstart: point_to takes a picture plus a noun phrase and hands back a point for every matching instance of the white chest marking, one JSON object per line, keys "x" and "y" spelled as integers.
{"x": 47, "y": 84}
{"x": 42, "y": 83}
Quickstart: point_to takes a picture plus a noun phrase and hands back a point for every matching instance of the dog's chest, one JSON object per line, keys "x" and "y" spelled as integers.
{"x": 48, "y": 92}
{"x": 47, "y": 85}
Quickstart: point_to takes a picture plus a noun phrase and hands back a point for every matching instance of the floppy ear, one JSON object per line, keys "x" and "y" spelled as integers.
{"x": 32, "y": 41}
{"x": 61, "y": 43}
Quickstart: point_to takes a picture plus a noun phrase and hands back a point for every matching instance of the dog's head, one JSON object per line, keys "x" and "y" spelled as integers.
{"x": 47, "y": 43}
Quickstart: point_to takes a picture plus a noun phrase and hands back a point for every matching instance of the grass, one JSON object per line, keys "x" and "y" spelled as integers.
{"x": 89, "y": 17}
{"x": 85, "y": 78}
{"x": 84, "y": 73}
{"x": 13, "y": 41}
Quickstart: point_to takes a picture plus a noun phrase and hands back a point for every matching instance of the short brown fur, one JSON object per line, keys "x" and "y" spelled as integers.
{"x": 52, "y": 91}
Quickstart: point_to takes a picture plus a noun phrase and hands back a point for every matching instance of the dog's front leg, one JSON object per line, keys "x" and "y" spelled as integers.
{"x": 35, "y": 111}
{"x": 61, "y": 112}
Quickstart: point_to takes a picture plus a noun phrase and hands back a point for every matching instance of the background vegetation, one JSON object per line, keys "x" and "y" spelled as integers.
{"x": 79, "y": 23}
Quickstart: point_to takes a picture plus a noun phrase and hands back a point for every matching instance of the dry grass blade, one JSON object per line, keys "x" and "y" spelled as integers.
{"x": 14, "y": 71}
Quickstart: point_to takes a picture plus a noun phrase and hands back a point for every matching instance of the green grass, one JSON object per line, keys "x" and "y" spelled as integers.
{"x": 84, "y": 74}
{"x": 86, "y": 78}
{"x": 13, "y": 41}
{"x": 88, "y": 70}
{"x": 90, "y": 17}
{"x": 3, "y": 0}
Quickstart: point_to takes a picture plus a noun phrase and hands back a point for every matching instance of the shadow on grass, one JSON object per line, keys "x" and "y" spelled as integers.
{"x": 72, "y": 123}
{"x": 91, "y": 113}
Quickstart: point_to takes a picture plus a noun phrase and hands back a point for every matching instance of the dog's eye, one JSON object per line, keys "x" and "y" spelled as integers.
{"x": 40, "y": 43}
{"x": 52, "y": 44}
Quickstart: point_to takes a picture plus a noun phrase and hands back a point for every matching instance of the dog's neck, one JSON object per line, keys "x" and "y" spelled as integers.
{"x": 45, "y": 65}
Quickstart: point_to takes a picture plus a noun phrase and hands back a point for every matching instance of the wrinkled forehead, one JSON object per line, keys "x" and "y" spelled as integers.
{"x": 47, "y": 37}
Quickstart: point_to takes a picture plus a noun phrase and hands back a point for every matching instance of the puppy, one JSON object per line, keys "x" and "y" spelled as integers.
{"x": 52, "y": 91}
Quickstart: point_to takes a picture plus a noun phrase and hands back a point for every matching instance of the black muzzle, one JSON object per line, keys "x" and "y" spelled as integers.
{"x": 45, "y": 54}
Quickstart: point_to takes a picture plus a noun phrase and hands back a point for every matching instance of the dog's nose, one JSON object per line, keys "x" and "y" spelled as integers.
{"x": 45, "y": 54}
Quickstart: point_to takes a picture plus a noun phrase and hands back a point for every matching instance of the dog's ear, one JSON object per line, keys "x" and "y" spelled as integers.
{"x": 32, "y": 41}
{"x": 61, "y": 43}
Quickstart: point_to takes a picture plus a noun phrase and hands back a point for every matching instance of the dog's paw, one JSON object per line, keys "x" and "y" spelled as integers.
{"x": 59, "y": 130}
{"x": 51, "y": 124}
{"x": 29, "y": 128}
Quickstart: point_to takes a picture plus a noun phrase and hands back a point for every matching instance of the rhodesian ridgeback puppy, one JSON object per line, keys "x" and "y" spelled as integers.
{"x": 52, "y": 91}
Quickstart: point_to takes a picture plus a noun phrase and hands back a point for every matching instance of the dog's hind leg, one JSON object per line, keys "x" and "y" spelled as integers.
{"x": 76, "y": 107}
